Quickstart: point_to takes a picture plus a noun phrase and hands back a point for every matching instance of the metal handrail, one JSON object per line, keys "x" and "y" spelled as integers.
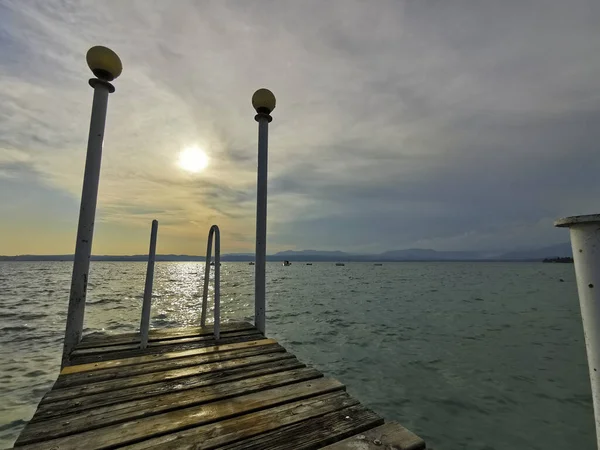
{"x": 145, "y": 320}
{"x": 214, "y": 231}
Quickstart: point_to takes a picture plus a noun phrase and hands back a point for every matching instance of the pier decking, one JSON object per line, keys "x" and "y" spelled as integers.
{"x": 186, "y": 391}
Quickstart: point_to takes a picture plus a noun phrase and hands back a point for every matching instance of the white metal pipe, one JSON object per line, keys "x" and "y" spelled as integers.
{"x": 214, "y": 231}
{"x": 217, "y": 324}
{"x": 585, "y": 242}
{"x": 261, "y": 223}
{"x": 206, "y": 280}
{"x": 147, "y": 305}
{"x": 87, "y": 214}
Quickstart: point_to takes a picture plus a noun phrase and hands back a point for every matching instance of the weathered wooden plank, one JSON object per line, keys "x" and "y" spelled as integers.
{"x": 162, "y": 357}
{"x": 77, "y": 379}
{"x": 128, "y": 411}
{"x": 261, "y": 424}
{"x": 105, "y": 339}
{"x": 94, "y": 350}
{"x": 391, "y": 435}
{"x": 47, "y": 410}
{"x": 148, "y": 427}
{"x": 314, "y": 432}
{"x": 124, "y": 354}
{"x": 254, "y": 356}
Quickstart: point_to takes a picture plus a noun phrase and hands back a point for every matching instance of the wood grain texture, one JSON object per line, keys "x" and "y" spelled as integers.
{"x": 315, "y": 432}
{"x": 391, "y": 435}
{"x": 162, "y": 356}
{"x": 148, "y": 427}
{"x": 103, "y": 339}
{"x": 158, "y": 350}
{"x": 127, "y": 411}
{"x": 260, "y": 424}
{"x": 160, "y": 366}
{"x": 187, "y": 391}
{"x": 47, "y": 410}
{"x": 87, "y": 351}
{"x": 105, "y": 386}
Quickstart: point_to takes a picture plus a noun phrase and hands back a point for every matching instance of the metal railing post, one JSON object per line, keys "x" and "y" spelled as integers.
{"x": 106, "y": 65}
{"x": 147, "y": 305}
{"x": 263, "y": 102}
{"x": 206, "y": 280}
{"x": 217, "y": 316}
{"x": 214, "y": 231}
{"x": 585, "y": 242}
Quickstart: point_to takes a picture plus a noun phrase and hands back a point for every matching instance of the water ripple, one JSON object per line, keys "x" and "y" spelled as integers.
{"x": 469, "y": 356}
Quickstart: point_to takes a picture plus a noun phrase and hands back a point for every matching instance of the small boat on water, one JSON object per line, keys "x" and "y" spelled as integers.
{"x": 378, "y": 264}
{"x": 287, "y": 263}
{"x": 309, "y": 264}
{"x": 251, "y": 263}
{"x": 340, "y": 264}
{"x": 213, "y": 263}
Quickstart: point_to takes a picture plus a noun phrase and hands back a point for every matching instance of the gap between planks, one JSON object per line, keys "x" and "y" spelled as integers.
{"x": 101, "y": 339}
{"x": 162, "y": 356}
{"x": 169, "y": 422}
{"x": 57, "y": 408}
{"x": 126, "y": 373}
{"x": 232, "y": 338}
{"x": 101, "y": 349}
{"x": 128, "y": 411}
{"x": 309, "y": 423}
{"x": 177, "y": 375}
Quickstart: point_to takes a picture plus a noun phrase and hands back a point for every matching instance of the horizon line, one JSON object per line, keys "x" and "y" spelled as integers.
{"x": 130, "y": 255}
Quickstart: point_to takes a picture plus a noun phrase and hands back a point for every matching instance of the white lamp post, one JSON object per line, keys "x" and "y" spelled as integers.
{"x": 585, "y": 242}
{"x": 263, "y": 102}
{"x": 106, "y": 66}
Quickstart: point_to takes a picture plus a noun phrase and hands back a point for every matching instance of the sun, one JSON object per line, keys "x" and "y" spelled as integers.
{"x": 193, "y": 159}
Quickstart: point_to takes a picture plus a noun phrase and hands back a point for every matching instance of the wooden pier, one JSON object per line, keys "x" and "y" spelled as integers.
{"x": 226, "y": 386}
{"x": 187, "y": 391}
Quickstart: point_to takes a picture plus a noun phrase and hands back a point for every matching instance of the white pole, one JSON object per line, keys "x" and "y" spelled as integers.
{"x": 585, "y": 242}
{"x": 106, "y": 65}
{"x": 214, "y": 231}
{"x": 217, "y": 324}
{"x": 147, "y": 305}
{"x": 87, "y": 214}
{"x": 206, "y": 280}
{"x": 261, "y": 224}
{"x": 263, "y": 101}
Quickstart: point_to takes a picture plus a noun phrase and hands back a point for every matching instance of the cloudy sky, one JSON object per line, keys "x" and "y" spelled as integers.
{"x": 453, "y": 125}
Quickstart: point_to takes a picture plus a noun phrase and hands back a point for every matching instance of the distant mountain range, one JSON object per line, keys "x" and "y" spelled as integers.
{"x": 412, "y": 254}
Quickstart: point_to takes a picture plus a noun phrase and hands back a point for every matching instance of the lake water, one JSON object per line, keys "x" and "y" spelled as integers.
{"x": 467, "y": 355}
